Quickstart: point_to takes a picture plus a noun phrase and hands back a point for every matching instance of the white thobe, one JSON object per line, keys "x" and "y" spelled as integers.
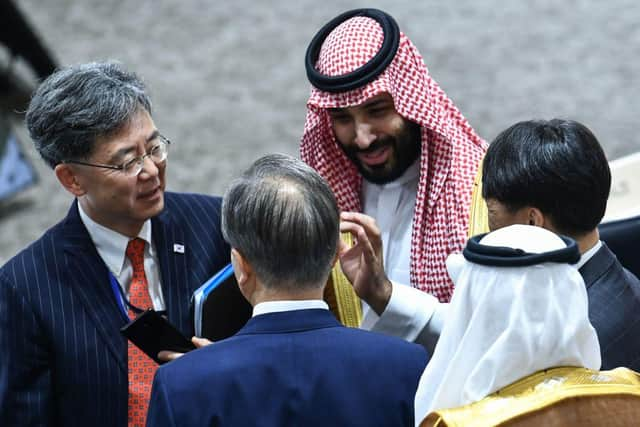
{"x": 410, "y": 314}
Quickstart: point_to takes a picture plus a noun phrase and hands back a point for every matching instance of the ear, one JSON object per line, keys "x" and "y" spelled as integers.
{"x": 244, "y": 273}
{"x": 68, "y": 177}
{"x": 541, "y": 220}
{"x": 537, "y": 218}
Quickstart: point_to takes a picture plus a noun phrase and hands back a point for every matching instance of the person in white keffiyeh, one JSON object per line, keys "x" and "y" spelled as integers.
{"x": 520, "y": 306}
{"x": 393, "y": 146}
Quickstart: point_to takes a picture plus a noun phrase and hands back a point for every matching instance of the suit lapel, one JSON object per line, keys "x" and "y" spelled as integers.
{"x": 88, "y": 276}
{"x": 169, "y": 241}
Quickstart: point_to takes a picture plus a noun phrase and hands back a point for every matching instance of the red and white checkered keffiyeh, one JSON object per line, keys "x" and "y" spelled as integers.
{"x": 451, "y": 150}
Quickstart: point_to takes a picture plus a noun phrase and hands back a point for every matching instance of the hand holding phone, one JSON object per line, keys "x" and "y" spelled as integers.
{"x": 152, "y": 333}
{"x": 168, "y": 356}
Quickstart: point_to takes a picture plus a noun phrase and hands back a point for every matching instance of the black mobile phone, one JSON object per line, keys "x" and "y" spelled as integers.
{"x": 151, "y": 332}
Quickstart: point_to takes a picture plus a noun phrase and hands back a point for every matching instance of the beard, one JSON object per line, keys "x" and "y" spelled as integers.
{"x": 405, "y": 147}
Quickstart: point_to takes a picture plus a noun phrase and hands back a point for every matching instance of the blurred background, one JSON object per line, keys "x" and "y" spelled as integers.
{"x": 228, "y": 83}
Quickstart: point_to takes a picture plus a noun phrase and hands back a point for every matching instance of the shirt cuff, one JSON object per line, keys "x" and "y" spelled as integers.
{"x": 410, "y": 314}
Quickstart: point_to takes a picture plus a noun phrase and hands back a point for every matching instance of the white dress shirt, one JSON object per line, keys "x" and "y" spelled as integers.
{"x": 392, "y": 206}
{"x": 410, "y": 314}
{"x": 288, "y": 305}
{"x": 111, "y": 247}
{"x": 588, "y": 254}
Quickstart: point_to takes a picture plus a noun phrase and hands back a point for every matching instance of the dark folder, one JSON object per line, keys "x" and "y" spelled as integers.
{"x": 219, "y": 309}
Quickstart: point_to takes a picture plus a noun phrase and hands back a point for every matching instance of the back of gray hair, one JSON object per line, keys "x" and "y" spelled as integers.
{"x": 283, "y": 218}
{"x": 76, "y": 105}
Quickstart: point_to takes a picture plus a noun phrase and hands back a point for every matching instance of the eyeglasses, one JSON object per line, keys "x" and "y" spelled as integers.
{"x": 158, "y": 154}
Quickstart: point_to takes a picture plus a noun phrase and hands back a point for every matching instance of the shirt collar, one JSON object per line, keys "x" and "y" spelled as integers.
{"x": 112, "y": 245}
{"x": 589, "y": 254}
{"x": 279, "y": 306}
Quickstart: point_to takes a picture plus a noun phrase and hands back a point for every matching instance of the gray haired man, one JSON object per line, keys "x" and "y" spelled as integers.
{"x": 125, "y": 245}
{"x": 293, "y": 363}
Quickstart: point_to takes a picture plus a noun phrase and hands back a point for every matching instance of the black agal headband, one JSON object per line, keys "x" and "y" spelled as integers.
{"x": 369, "y": 71}
{"x": 502, "y": 256}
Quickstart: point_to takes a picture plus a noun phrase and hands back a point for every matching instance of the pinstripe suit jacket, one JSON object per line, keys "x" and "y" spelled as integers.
{"x": 614, "y": 309}
{"x": 63, "y": 360}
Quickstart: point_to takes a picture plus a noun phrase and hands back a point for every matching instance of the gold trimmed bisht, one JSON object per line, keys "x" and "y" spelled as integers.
{"x": 340, "y": 296}
{"x": 478, "y": 213}
{"x": 557, "y": 396}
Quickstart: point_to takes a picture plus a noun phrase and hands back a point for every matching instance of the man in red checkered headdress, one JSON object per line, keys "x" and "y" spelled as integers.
{"x": 393, "y": 146}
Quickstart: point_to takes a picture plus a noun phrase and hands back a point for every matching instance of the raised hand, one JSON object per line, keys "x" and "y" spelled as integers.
{"x": 362, "y": 263}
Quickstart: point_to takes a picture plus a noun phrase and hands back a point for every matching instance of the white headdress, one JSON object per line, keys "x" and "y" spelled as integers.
{"x": 518, "y": 307}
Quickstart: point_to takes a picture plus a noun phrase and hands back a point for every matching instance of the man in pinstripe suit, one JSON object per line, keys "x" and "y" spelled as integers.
{"x": 64, "y": 298}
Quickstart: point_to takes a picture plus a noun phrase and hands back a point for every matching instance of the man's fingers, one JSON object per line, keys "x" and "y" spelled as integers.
{"x": 350, "y": 227}
{"x": 363, "y": 241}
{"x": 343, "y": 247}
{"x": 168, "y": 356}
{"x": 200, "y": 342}
{"x": 366, "y": 222}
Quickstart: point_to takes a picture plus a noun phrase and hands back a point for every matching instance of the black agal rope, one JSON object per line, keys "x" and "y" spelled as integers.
{"x": 500, "y": 256}
{"x": 369, "y": 71}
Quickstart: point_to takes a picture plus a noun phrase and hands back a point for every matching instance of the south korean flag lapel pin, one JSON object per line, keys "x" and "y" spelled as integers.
{"x": 178, "y": 248}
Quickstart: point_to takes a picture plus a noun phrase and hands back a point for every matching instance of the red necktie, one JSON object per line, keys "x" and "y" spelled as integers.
{"x": 141, "y": 367}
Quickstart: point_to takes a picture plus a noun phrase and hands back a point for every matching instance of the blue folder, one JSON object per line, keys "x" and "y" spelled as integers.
{"x": 219, "y": 308}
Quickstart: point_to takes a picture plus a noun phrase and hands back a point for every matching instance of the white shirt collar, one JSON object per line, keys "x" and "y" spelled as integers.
{"x": 112, "y": 245}
{"x": 279, "y": 306}
{"x": 588, "y": 254}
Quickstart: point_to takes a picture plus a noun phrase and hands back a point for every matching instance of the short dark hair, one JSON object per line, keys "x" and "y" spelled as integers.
{"x": 557, "y": 166}
{"x": 76, "y": 105}
{"x": 282, "y": 216}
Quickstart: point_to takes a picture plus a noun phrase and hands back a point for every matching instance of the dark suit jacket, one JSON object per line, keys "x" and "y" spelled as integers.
{"x": 622, "y": 237}
{"x": 614, "y": 309}
{"x": 296, "y": 368}
{"x": 63, "y": 360}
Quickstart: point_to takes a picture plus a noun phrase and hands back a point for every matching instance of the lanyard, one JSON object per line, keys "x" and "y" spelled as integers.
{"x": 122, "y": 300}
